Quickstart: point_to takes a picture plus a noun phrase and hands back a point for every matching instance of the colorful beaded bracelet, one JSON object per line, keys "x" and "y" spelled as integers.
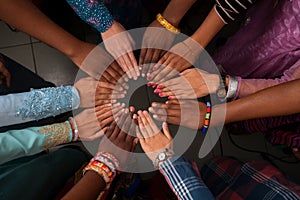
{"x": 207, "y": 118}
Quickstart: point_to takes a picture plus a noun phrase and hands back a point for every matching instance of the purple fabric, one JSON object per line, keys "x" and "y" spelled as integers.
{"x": 267, "y": 45}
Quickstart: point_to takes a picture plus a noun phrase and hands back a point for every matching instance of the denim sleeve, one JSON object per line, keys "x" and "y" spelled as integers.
{"x": 184, "y": 180}
{"x": 93, "y": 12}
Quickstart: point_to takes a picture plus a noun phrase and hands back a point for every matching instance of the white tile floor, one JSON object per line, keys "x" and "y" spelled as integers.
{"x": 55, "y": 67}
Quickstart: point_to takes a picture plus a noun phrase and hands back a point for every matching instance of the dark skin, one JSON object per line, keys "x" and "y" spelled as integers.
{"x": 115, "y": 141}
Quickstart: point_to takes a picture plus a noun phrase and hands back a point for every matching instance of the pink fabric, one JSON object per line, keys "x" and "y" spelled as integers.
{"x": 266, "y": 47}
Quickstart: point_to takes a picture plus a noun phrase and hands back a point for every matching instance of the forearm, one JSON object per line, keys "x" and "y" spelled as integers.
{"x": 283, "y": 99}
{"x": 176, "y": 9}
{"x": 25, "y": 142}
{"x": 183, "y": 179}
{"x": 26, "y": 17}
{"x": 37, "y": 104}
{"x": 208, "y": 29}
{"x": 89, "y": 187}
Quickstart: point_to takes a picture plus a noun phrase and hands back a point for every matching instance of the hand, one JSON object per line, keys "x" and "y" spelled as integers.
{"x": 180, "y": 57}
{"x": 183, "y": 113}
{"x": 107, "y": 113}
{"x": 151, "y": 138}
{"x": 93, "y": 93}
{"x": 4, "y": 74}
{"x": 88, "y": 125}
{"x": 117, "y": 141}
{"x": 156, "y": 39}
{"x": 115, "y": 75}
{"x": 121, "y": 48}
{"x": 191, "y": 84}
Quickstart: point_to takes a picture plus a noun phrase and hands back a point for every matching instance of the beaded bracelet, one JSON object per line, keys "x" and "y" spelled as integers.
{"x": 166, "y": 24}
{"x": 75, "y": 138}
{"x": 207, "y": 118}
{"x": 111, "y": 157}
{"x": 91, "y": 166}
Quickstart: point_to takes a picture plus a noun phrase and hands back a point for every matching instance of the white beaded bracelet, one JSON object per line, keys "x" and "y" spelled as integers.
{"x": 75, "y": 138}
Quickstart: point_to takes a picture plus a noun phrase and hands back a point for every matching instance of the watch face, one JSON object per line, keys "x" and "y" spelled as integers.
{"x": 221, "y": 93}
{"x": 161, "y": 156}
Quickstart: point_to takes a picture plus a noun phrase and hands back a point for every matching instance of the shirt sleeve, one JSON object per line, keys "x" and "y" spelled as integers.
{"x": 37, "y": 104}
{"x": 184, "y": 180}
{"x": 93, "y": 12}
{"x": 250, "y": 86}
{"x": 29, "y": 141}
{"x": 229, "y": 10}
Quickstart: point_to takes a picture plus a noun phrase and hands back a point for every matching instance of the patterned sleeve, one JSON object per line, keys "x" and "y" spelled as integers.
{"x": 93, "y": 12}
{"x": 37, "y": 104}
{"x": 229, "y": 10}
{"x": 29, "y": 141}
{"x": 184, "y": 180}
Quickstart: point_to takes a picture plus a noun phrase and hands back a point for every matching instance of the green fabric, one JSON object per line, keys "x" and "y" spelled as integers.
{"x": 40, "y": 176}
{"x": 29, "y": 141}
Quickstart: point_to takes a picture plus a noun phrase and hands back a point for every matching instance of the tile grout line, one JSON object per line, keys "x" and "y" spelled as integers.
{"x": 33, "y": 56}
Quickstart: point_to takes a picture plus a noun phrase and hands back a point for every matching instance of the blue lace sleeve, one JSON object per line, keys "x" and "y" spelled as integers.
{"x": 93, "y": 12}
{"x": 48, "y": 102}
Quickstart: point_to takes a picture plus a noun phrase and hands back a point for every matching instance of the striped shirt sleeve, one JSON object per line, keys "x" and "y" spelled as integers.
{"x": 184, "y": 180}
{"x": 229, "y": 10}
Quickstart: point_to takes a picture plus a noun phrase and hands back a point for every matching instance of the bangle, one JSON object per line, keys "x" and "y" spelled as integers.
{"x": 207, "y": 118}
{"x": 167, "y": 24}
{"x": 75, "y": 128}
{"x": 232, "y": 87}
{"x": 93, "y": 167}
{"x": 110, "y": 157}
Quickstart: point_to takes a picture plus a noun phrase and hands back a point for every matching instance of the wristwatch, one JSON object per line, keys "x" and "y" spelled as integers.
{"x": 222, "y": 90}
{"x": 162, "y": 156}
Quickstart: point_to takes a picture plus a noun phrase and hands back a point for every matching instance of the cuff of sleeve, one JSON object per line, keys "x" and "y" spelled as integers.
{"x": 75, "y": 98}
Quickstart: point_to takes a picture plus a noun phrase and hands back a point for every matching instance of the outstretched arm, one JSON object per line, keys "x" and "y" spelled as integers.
{"x": 283, "y": 99}
{"x": 25, "y": 16}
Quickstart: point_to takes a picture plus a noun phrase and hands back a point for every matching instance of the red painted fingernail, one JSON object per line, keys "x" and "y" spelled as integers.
{"x": 156, "y": 91}
{"x": 149, "y": 84}
{"x": 160, "y": 94}
{"x": 159, "y": 87}
{"x": 169, "y": 97}
{"x": 154, "y": 85}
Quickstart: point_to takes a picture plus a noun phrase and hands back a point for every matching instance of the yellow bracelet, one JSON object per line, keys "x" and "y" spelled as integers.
{"x": 166, "y": 24}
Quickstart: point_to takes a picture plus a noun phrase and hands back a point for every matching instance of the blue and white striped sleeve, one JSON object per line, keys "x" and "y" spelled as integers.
{"x": 184, "y": 180}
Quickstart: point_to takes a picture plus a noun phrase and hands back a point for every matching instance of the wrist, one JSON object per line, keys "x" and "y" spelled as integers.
{"x": 161, "y": 156}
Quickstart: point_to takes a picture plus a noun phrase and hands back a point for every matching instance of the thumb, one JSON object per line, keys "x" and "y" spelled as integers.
{"x": 166, "y": 131}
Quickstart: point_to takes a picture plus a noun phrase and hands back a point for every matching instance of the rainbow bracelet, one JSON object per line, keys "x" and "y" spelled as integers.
{"x": 207, "y": 118}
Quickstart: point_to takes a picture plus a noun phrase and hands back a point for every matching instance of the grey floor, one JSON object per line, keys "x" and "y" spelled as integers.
{"x": 57, "y": 68}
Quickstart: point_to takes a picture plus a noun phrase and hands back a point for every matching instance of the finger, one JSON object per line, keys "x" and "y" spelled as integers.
{"x": 166, "y": 131}
{"x": 124, "y": 67}
{"x": 174, "y": 101}
{"x": 158, "y": 111}
{"x": 171, "y": 74}
{"x": 174, "y": 120}
{"x": 134, "y": 63}
{"x": 130, "y": 66}
{"x": 100, "y": 102}
{"x": 106, "y": 85}
{"x": 165, "y": 72}
{"x": 139, "y": 135}
{"x": 142, "y": 56}
{"x": 152, "y": 125}
{"x": 142, "y": 125}
{"x": 98, "y": 134}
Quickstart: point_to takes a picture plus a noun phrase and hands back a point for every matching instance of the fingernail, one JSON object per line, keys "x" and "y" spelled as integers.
{"x": 159, "y": 87}
{"x": 126, "y": 111}
{"x": 109, "y": 104}
{"x": 155, "y": 116}
{"x": 114, "y": 101}
{"x": 140, "y": 68}
{"x": 169, "y": 97}
{"x": 154, "y": 68}
{"x": 148, "y": 78}
{"x": 160, "y": 94}
{"x": 167, "y": 102}
{"x": 123, "y": 104}
{"x": 117, "y": 119}
{"x": 295, "y": 149}
{"x": 143, "y": 75}
{"x": 149, "y": 84}
{"x": 156, "y": 91}
{"x": 151, "y": 109}
{"x": 154, "y": 85}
